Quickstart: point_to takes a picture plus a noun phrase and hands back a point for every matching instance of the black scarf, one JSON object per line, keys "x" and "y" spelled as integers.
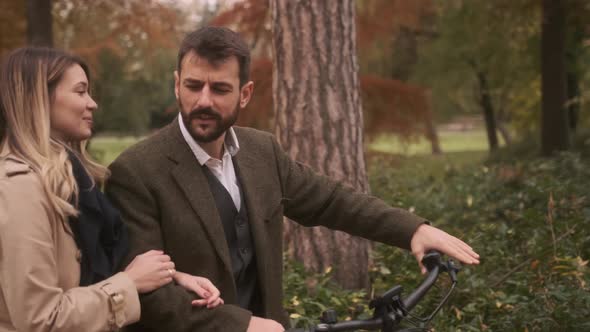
{"x": 98, "y": 230}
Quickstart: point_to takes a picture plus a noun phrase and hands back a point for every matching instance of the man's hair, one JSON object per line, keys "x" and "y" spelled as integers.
{"x": 216, "y": 45}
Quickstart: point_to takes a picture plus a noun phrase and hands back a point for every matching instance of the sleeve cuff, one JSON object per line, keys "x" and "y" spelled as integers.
{"x": 123, "y": 299}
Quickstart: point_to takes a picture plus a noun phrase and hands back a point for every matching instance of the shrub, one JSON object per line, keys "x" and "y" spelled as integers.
{"x": 528, "y": 219}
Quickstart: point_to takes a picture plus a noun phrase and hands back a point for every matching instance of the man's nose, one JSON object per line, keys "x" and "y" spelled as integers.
{"x": 205, "y": 97}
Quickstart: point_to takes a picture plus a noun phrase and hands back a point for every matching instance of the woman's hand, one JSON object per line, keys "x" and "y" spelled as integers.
{"x": 203, "y": 287}
{"x": 150, "y": 270}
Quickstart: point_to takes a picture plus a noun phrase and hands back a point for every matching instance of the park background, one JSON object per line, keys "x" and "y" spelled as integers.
{"x": 471, "y": 113}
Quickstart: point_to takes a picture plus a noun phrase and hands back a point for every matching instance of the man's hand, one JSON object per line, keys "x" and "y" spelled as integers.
{"x": 258, "y": 324}
{"x": 428, "y": 238}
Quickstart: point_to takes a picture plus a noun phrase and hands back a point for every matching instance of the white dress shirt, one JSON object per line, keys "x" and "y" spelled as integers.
{"x": 222, "y": 169}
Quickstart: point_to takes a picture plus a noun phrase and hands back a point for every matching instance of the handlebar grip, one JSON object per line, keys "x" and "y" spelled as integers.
{"x": 432, "y": 262}
{"x": 431, "y": 259}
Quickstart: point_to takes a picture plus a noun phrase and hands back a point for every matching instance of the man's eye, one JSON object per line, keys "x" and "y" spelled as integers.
{"x": 222, "y": 90}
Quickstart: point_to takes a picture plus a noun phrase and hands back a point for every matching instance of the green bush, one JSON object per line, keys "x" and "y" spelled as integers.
{"x": 528, "y": 219}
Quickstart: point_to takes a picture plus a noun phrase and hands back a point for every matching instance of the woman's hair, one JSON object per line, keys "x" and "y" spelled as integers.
{"x": 28, "y": 78}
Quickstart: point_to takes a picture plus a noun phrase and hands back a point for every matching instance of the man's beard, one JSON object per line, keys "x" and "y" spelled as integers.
{"x": 221, "y": 124}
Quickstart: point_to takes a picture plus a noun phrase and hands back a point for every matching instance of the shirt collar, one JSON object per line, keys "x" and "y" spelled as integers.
{"x": 230, "y": 145}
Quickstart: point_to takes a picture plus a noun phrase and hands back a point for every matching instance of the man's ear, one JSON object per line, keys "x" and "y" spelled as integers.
{"x": 246, "y": 93}
{"x": 176, "y": 83}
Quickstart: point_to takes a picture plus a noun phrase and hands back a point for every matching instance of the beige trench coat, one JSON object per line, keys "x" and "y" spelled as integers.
{"x": 40, "y": 269}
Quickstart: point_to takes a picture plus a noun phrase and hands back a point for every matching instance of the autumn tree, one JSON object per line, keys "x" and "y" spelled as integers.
{"x": 13, "y": 25}
{"x": 131, "y": 49}
{"x": 319, "y": 119}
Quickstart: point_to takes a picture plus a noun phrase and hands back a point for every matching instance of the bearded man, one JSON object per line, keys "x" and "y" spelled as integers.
{"x": 213, "y": 196}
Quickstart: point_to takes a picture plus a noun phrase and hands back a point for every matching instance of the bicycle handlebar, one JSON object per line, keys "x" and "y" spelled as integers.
{"x": 387, "y": 319}
{"x": 433, "y": 264}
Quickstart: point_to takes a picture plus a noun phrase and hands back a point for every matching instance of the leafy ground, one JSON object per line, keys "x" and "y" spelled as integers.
{"x": 528, "y": 218}
{"x": 530, "y": 222}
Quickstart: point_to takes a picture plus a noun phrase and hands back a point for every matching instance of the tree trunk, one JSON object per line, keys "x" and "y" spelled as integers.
{"x": 402, "y": 68}
{"x": 430, "y": 128}
{"x": 319, "y": 119}
{"x": 488, "y": 110}
{"x": 39, "y": 23}
{"x": 554, "y": 119}
{"x": 573, "y": 99}
{"x": 504, "y": 132}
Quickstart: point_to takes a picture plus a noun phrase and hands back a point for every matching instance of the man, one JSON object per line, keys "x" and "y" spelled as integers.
{"x": 213, "y": 197}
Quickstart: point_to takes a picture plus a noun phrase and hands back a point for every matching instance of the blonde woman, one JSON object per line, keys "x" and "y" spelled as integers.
{"x": 60, "y": 240}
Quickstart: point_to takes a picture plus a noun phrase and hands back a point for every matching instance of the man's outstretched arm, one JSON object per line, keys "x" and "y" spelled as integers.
{"x": 312, "y": 200}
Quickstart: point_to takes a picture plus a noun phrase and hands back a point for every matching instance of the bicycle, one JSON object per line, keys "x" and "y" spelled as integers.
{"x": 390, "y": 308}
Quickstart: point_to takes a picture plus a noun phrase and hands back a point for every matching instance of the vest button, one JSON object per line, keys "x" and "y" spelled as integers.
{"x": 243, "y": 251}
{"x": 240, "y": 221}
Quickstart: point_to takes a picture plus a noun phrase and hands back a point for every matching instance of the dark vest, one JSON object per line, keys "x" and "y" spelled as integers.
{"x": 239, "y": 241}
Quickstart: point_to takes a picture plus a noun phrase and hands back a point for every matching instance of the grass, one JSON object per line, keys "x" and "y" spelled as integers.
{"x": 459, "y": 147}
{"x": 106, "y": 148}
{"x": 451, "y": 141}
{"x": 435, "y": 166}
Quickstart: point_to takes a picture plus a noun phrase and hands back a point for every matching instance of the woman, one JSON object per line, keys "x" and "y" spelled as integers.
{"x": 60, "y": 240}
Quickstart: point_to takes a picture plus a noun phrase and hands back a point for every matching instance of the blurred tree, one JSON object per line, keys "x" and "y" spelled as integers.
{"x": 39, "y": 22}
{"x": 554, "y": 119}
{"x": 577, "y": 24}
{"x": 388, "y": 49}
{"x": 471, "y": 64}
{"x": 13, "y": 25}
{"x": 131, "y": 47}
{"x": 319, "y": 119}
{"x": 495, "y": 45}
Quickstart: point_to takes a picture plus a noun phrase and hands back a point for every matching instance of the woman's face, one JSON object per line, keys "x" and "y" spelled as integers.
{"x": 72, "y": 107}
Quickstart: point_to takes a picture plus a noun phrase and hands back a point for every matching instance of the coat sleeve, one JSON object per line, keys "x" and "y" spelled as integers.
{"x": 312, "y": 199}
{"x": 29, "y": 271}
{"x": 169, "y": 307}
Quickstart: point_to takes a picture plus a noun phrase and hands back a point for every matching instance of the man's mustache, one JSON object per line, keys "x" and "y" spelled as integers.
{"x": 204, "y": 111}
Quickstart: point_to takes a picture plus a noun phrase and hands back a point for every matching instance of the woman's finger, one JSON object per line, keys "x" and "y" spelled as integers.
{"x": 208, "y": 285}
{"x": 199, "y": 303}
{"x": 168, "y": 265}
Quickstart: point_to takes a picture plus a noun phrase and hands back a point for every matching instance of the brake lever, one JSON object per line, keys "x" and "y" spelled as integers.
{"x": 452, "y": 268}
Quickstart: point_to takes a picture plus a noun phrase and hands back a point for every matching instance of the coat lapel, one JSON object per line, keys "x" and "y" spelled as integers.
{"x": 249, "y": 174}
{"x": 190, "y": 178}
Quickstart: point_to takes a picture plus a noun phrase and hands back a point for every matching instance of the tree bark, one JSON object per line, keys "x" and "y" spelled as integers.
{"x": 554, "y": 118}
{"x": 39, "y": 23}
{"x": 319, "y": 120}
